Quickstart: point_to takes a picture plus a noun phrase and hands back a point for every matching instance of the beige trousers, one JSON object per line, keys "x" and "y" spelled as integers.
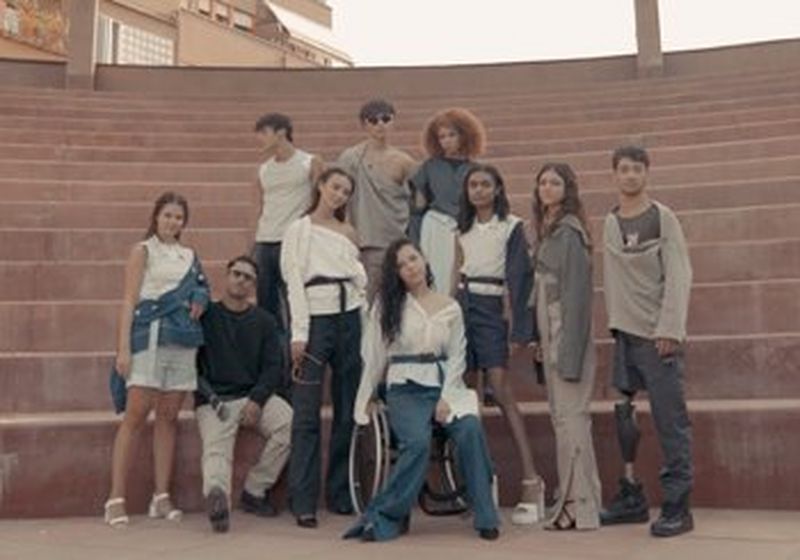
{"x": 579, "y": 484}
{"x": 219, "y": 438}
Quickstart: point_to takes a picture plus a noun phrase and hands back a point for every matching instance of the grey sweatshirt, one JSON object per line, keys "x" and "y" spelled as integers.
{"x": 647, "y": 291}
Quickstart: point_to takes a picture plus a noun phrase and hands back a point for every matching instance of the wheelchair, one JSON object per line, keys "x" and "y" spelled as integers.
{"x": 373, "y": 452}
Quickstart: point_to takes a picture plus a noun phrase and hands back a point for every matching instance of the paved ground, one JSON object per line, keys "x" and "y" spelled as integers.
{"x": 719, "y": 534}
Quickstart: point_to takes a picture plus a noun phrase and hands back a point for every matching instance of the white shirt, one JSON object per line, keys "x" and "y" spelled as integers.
{"x": 165, "y": 267}
{"x": 440, "y": 333}
{"x": 286, "y": 194}
{"x": 484, "y": 248}
{"x": 311, "y": 250}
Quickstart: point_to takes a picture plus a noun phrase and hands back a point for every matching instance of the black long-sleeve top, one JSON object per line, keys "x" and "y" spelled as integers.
{"x": 242, "y": 354}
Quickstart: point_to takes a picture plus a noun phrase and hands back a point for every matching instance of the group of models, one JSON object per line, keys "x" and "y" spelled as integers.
{"x": 418, "y": 277}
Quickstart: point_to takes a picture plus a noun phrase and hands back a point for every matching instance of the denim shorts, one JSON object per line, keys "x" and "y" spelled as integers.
{"x": 166, "y": 368}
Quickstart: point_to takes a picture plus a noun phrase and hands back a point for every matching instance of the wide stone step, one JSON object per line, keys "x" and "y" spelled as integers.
{"x": 333, "y": 116}
{"x": 117, "y": 143}
{"x": 109, "y": 244}
{"x": 524, "y": 126}
{"x": 613, "y": 93}
{"x": 746, "y": 308}
{"x": 28, "y": 280}
{"x": 518, "y": 171}
{"x": 736, "y": 148}
{"x": 755, "y": 367}
{"x": 54, "y": 454}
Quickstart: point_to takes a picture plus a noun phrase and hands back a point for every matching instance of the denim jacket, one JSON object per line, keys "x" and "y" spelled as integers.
{"x": 172, "y": 308}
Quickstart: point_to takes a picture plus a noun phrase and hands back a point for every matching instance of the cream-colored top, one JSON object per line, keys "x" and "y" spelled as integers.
{"x": 311, "y": 250}
{"x": 286, "y": 194}
{"x": 165, "y": 267}
{"x": 440, "y": 333}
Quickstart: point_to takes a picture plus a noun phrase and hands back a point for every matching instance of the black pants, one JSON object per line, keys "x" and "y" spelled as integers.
{"x": 271, "y": 289}
{"x": 638, "y": 366}
{"x": 334, "y": 340}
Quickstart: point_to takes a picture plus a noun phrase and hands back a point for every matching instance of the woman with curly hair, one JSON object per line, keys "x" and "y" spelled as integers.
{"x": 562, "y": 297}
{"x": 416, "y": 336}
{"x": 453, "y": 138}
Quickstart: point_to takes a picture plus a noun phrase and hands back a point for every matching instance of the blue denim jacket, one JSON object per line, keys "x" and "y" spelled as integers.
{"x": 172, "y": 308}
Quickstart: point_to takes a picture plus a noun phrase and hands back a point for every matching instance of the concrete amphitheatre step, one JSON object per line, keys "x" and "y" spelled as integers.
{"x": 738, "y": 148}
{"x": 76, "y": 243}
{"x": 549, "y": 113}
{"x": 739, "y": 444}
{"x": 611, "y": 94}
{"x": 518, "y": 129}
{"x": 764, "y": 366}
{"x": 518, "y": 171}
{"x": 116, "y": 144}
{"x": 79, "y": 171}
{"x": 78, "y": 280}
{"x": 496, "y": 103}
{"x": 769, "y": 306}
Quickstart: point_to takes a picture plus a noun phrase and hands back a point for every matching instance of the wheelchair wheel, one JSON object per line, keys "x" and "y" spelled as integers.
{"x": 369, "y": 459}
{"x": 444, "y": 491}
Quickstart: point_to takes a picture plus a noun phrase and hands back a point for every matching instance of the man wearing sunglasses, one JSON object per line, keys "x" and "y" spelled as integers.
{"x": 241, "y": 362}
{"x": 379, "y": 207}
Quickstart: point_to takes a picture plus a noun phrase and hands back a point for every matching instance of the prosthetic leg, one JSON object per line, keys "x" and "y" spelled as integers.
{"x": 630, "y": 504}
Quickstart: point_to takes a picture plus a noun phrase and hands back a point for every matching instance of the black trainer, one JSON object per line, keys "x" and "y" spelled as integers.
{"x": 260, "y": 506}
{"x": 673, "y": 521}
{"x": 217, "y": 508}
{"x": 489, "y": 534}
{"x": 628, "y": 506}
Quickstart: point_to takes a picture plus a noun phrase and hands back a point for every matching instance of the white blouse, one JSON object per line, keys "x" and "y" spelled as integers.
{"x": 165, "y": 267}
{"x": 310, "y": 250}
{"x": 440, "y": 333}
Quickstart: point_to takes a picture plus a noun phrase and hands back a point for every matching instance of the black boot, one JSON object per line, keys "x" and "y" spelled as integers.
{"x": 217, "y": 509}
{"x": 259, "y": 505}
{"x": 675, "y": 519}
{"x": 628, "y": 506}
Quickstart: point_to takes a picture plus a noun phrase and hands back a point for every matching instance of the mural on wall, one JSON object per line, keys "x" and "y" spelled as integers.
{"x": 40, "y": 23}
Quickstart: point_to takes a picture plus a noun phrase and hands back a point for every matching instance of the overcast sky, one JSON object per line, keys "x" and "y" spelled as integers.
{"x": 406, "y": 32}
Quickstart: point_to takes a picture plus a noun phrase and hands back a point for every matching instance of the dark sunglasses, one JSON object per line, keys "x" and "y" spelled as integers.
{"x": 243, "y": 274}
{"x": 385, "y": 119}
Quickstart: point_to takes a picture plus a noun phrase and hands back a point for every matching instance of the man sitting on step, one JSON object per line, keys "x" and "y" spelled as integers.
{"x": 241, "y": 364}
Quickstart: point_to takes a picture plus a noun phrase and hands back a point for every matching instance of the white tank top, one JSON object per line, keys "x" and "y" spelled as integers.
{"x": 166, "y": 265}
{"x": 286, "y": 194}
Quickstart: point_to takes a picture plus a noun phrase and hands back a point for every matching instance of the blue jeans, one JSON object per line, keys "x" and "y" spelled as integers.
{"x": 411, "y": 409}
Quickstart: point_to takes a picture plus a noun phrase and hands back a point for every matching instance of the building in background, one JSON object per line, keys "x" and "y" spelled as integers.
{"x": 259, "y": 33}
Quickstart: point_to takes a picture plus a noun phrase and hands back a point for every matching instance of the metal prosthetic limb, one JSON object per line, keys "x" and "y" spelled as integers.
{"x": 627, "y": 431}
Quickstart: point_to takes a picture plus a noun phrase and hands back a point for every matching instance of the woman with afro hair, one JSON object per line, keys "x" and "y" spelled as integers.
{"x": 453, "y": 138}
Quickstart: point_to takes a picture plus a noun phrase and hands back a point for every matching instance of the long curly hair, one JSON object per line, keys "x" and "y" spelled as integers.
{"x": 470, "y": 130}
{"x": 467, "y": 210}
{"x": 392, "y": 291}
{"x": 570, "y": 205}
{"x": 168, "y": 197}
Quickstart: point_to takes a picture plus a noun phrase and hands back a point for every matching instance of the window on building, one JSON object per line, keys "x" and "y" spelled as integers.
{"x": 242, "y": 21}
{"x": 137, "y": 46}
{"x": 221, "y": 12}
{"x": 204, "y": 7}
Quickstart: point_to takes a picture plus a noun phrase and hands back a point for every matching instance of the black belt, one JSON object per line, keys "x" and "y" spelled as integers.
{"x": 328, "y": 280}
{"x": 467, "y": 280}
{"x": 427, "y": 358}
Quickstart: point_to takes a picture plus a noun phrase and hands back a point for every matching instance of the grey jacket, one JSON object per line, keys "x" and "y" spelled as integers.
{"x": 563, "y": 270}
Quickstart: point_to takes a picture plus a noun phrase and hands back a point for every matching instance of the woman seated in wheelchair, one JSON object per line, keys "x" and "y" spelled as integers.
{"x": 419, "y": 335}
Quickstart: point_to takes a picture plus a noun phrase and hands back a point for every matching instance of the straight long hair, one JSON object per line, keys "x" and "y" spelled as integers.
{"x": 467, "y": 210}
{"x": 571, "y": 204}
{"x": 168, "y": 197}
